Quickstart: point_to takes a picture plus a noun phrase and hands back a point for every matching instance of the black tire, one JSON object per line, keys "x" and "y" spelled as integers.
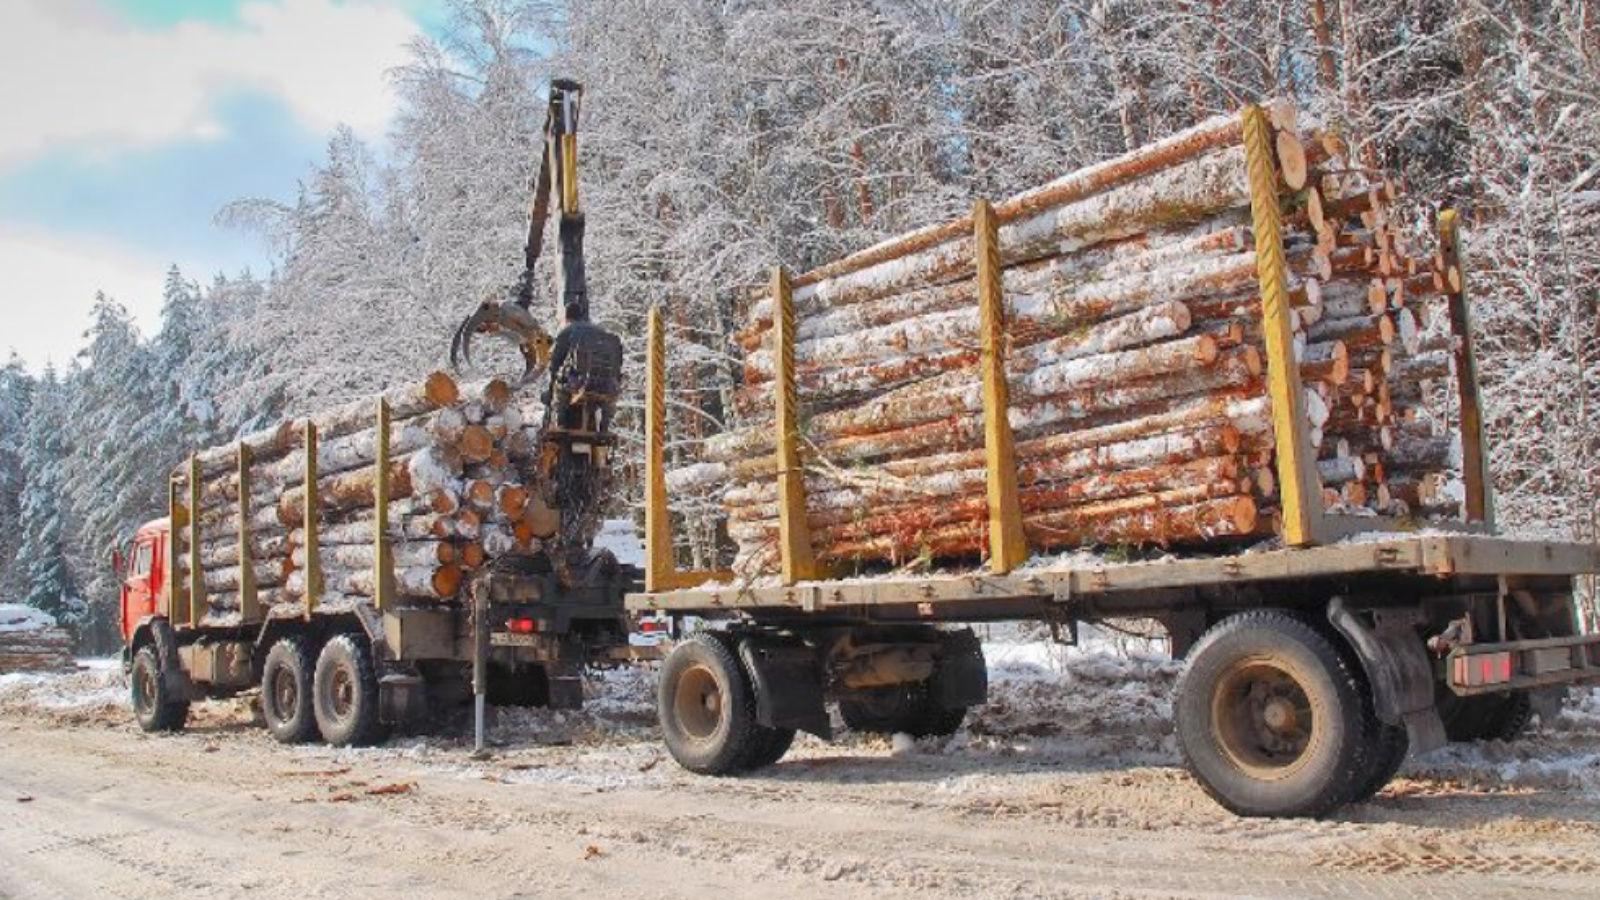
{"x": 707, "y": 709}
{"x": 1270, "y": 717}
{"x": 286, "y": 703}
{"x": 768, "y": 746}
{"x": 153, "y": 704}
{"x": 345, "y": 690}
{"x": 1484, "y": 717}
{"x": 901, "y": 708}
{"x": 1387, "y": 747}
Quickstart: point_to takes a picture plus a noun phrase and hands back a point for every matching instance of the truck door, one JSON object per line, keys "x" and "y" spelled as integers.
{"x": 138, "y": 587}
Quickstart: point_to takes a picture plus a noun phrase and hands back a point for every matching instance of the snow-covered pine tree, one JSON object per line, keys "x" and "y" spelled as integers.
{"x": 47, "y": 577}
{"x": 16, "y": 391}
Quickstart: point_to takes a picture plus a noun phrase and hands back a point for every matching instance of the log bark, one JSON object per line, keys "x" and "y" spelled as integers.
{"x": 342, "y": 492}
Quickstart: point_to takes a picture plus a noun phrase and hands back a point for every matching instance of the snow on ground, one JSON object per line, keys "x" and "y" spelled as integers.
{"x": 96, "y": 692}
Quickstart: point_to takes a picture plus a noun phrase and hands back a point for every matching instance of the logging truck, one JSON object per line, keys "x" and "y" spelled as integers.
{"x": 1339, "y": 598}
{"x": 366, "y": 564}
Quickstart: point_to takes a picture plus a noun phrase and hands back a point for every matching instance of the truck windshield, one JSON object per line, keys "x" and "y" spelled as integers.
{"x": 141, "y": 559}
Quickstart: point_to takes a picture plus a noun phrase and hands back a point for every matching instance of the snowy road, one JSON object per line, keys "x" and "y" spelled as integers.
{"x": 1065, "y": 786}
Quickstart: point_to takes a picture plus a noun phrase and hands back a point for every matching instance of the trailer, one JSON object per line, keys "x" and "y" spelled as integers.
{"x": 1314, "y": 662}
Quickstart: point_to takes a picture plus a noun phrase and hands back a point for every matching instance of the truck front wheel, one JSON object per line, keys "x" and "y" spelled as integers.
{"x": 286, "y": 692}
{"x": 1270, "y": 718}
{"x": 153, "y": 703}
{"x": 707, "y": 709}
{"x": 345, "y": 691}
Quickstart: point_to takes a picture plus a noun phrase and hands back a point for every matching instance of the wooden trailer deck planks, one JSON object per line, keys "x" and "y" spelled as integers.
{"x": 1441, "y": 555}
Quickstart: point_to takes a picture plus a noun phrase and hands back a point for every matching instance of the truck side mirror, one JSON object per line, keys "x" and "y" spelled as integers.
{"x": 116, "y": 560}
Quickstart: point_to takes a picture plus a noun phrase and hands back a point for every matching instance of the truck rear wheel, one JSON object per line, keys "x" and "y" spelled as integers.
{"x": 1270, "y": 717}
{"x": 345, "y": 692}
{"x": 707, "y": 708}
{"x": 286, "y": 692}
{"x": 153, "y": 703}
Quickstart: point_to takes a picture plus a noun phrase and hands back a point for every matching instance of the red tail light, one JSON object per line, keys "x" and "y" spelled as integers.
{"x": 522, "y": 626}
{"x": 1483, "y": 669}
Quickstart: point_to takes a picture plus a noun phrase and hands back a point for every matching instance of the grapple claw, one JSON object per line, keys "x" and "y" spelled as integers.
{"x": 509, "y": 321}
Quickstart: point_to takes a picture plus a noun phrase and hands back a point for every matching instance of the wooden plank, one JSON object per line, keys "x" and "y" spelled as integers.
{"x": 1474, "y": 458}
{"x": 1450, "y": 555}
{"x": 659, "y": 558}
{"x": 382, "y": 548}
{"x": 312, "y": 501}
{"x": 197, "y": 584}
{"x": 1008, "y": 545}
{"x": 1297, "y": 479}
{"x": 794, "y": 533}
{"x": 249, "y": 598}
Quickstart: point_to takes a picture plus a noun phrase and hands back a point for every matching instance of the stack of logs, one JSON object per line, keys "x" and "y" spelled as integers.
{"x": 459, "y": 489}
{"x": 30, "y": 641}
{"x": 1135, "y": 360}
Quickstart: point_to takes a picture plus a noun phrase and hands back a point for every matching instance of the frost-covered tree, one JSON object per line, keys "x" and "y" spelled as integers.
{"x": 44, "y": 554}
{"x": 16, "y": 393}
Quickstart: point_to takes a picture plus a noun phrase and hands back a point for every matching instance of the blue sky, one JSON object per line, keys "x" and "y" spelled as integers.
{"x": 138, "y": 119}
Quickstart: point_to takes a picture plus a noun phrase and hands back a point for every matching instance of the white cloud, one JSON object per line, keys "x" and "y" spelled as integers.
{"x": 47, "y": 288}
{"x": 76, "y": 75}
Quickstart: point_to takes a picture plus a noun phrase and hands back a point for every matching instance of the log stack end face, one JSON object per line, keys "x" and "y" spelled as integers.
{"x": 460, "y": 468}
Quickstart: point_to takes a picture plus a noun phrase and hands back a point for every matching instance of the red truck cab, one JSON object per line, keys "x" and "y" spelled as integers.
{"x": 144, "y": 576}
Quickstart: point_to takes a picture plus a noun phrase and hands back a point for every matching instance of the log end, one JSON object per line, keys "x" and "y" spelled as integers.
{"x": 441, "y": 389}
{"x": 447, "y": 580}
{"x": 1291, "y": 160}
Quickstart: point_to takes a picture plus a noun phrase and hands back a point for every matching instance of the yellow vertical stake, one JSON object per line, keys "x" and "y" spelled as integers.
{"x": 1474, "y": 459}
{"x": 249, "y": 599}
{"x": 1008, "y": 543}
{"x": 197, "y": 584}
{"x": 312, "y": 501}
{"x": 659, "y": 561}
{"x": 177, "y": 518}
{"x": 794, "y": 532}
{"x": 1297, "y": 478}
{"x": 382, "y": 549}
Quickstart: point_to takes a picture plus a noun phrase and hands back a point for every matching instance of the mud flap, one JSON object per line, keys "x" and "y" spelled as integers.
{"x": 177, "y": 680}
{"x": 1397, "y": 668}
{"x": 787, "y": 685}
{"x": 961, "y": 679}
{"x": 402, "y": 699}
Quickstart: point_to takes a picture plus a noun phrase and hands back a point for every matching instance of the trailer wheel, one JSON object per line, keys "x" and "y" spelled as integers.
{"x": 706, "y": 708}
{"x": 153, "y": 705}
{"x": 286, "y": 692}
{"x": 1485, "y": 717}
{"x": 908, "y": 708}
{"x": 768, "y": 746}
{"x": 1386, "y": 752}
{"x": 1270, "y": 717}
{"x": 345, "y": 690}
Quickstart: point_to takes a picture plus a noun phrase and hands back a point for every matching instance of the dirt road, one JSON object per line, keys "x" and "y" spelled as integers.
{"x": 1064, "y": 787}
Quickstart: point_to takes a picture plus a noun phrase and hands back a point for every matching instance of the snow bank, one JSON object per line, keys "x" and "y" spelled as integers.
{"x": 16, "y": 617}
